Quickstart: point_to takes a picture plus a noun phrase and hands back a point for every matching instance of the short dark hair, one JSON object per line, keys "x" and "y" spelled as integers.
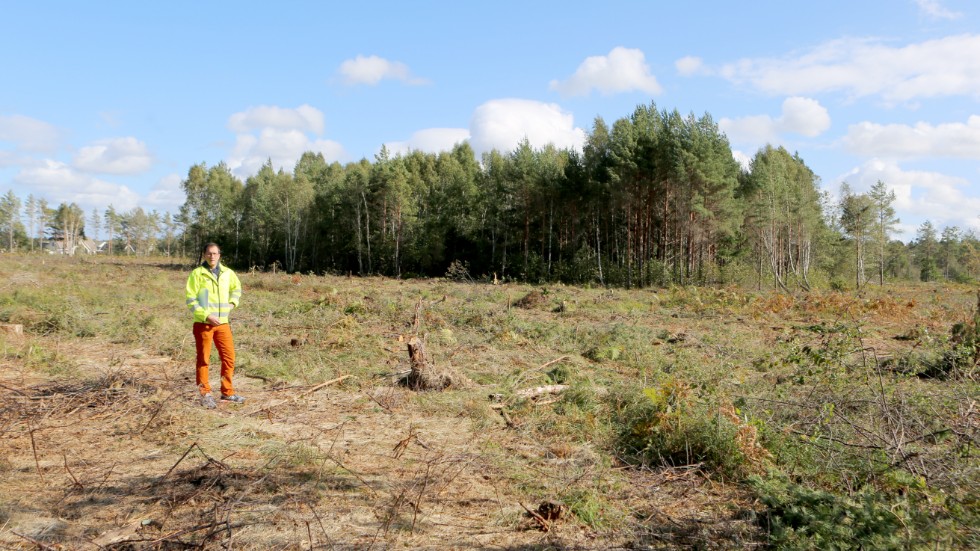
{"x": 208, "y": 246}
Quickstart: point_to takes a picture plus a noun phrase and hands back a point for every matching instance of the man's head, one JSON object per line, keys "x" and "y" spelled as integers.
{"x": 212, "y": 254}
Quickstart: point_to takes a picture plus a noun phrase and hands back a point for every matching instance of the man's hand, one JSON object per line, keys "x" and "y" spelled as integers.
{"x": 213, "y": 320}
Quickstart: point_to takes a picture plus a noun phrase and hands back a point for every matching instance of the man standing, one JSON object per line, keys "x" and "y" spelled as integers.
{"x": 212, "y": 291}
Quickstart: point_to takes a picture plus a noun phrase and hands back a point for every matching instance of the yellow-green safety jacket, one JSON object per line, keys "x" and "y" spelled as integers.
{"x": 207, "y": 295}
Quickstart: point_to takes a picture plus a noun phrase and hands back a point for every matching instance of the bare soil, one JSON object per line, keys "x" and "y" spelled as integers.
{"x": 122, "y": 456}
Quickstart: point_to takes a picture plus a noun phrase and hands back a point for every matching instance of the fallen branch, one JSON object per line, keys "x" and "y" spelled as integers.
{"x": 552, "y": 362}
{"x": 538, "y": 391}
{"x": 328, "y": 383}
{"x": 39, "y": 545}
{"x": 37, "y": 463}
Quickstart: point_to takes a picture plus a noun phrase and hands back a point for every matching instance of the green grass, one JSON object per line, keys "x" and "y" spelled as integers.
{"x": 841, "y": 431}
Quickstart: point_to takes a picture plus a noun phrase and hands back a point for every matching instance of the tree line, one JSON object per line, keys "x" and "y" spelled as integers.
{"x": 654, "y": 199}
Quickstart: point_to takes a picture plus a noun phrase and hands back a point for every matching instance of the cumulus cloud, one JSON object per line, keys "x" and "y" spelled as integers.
{"x": 61, "y": 183}
{"x": 951, "y": 140}
{"x": 501, "y": 124}
{"x": 167, "y": 194}
{"x": 371, "y": 70}
{"x": 282, "y": 147}
{"x": 802, "y": 116}
{"x": 114, "y": 156}
{"x": 430, "y": 140}
{"x": 865, "y": 67}
{"x": 29, "y": 134}
{"x": 278, "y": 134}
{"x": 623, "y": 70}
{"x": 744, "y": 160}
{"x": 689, "y": 65}
{"x": 935, "y": 10}
{"x": 919, "y": 195}
{"x": 304, "y": 117}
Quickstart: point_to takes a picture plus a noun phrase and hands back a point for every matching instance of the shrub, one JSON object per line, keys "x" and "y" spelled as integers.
{"x": 798, "y": 517}
{"x": 668, "y": 426}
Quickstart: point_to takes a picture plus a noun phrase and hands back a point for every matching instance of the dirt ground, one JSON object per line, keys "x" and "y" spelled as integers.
{"x": 120, "y": 455}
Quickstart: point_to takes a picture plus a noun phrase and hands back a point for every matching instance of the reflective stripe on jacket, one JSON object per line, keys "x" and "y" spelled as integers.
{"x": 206, "y": 295}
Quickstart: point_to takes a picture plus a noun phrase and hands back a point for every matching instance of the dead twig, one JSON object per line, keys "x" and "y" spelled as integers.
{"x": 37, "y": 463}
{"x": 552, "y": 362}
{"x": 39, "y": 544}
{"x": 321, "y": 385}
{"x": 538, "y": 391}
{"x": 545, "y": 527}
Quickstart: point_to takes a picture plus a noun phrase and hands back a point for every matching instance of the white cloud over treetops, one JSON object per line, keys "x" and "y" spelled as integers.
{"x": 430, "y": 140}
{"x": 503, "y": 123}
{"x": 114, "y": 156}
{"x": 799, "y": 115}
{"x": 919, "y": 195}
{"x": 278, "y": 134}
{"x": 949, "y": 140}
{"x": 60, "y": 183}
{"x": 946, "y": 66}
{"x": 623, "y": 70}
{"x": 167, "y": 194}
{"x": 304, "y": 118}
{"x": 370, "y": 70}
{"x": 29, "y": 134}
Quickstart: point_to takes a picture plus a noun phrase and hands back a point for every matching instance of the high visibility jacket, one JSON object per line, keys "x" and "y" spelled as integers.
{"x": 208, "y": 295}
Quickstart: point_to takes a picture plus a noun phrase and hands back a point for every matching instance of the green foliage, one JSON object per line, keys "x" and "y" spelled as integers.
{"x": 669, "y": 426}
{"x": 798, "y": 517}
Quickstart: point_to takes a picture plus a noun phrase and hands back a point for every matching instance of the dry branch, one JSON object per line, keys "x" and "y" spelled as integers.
{"x": 328, "y": 383}
{"x": 538, "y": 391}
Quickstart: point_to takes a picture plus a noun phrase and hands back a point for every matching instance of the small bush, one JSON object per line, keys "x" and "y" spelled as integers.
{"x": 798, "y": 517}
{"x": 668, "y": 426}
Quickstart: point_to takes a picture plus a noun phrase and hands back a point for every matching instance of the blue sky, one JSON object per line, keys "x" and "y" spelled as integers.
{"x": 112, "y": 102}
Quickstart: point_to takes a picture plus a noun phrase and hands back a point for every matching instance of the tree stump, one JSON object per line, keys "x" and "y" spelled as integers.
{"x": 424, "y": 375}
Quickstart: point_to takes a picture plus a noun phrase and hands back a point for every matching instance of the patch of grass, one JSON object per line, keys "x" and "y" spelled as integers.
{"x": 669, "y": 426}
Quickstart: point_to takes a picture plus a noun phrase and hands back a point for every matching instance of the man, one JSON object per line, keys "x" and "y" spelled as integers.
{"x": 212, "y": 292}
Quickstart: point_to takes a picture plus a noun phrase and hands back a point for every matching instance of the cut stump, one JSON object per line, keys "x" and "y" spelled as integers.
{"x": 424, "y": 375}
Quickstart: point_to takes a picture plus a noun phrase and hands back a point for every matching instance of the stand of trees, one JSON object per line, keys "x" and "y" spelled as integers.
{"x": 654, "y": 199}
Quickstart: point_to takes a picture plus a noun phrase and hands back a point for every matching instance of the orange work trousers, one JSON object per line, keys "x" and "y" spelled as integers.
{"x": 220, "y": 335}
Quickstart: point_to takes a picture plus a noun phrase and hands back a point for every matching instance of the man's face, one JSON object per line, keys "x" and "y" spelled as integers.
{"x": 212, "y": 254}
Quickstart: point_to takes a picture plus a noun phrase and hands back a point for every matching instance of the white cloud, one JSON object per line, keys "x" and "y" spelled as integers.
{"x": 802, "y": 116}
{"x": 919, "y": 195}
{"x": 430, "y": 140}
{"x": 955, "y": 140}
{"x": 744, "y": 160}
{"x": 935, "y": 10}
{"x": 282, "y": 147}
{"x": 865, "y": 67}
{"x": 371, "y": 70}
{"x": 501, "y": 124}
{"x": 167, "y": 194}
{"x": 689, "y": 65}
{"x": 29, "y": 134}
{"x": 278, "y": 134}
{"x": 114, "y": 156}
{"x": 623, "y": 70}
{"x": 304, "y": 118}
{"x": 59, "y": 183}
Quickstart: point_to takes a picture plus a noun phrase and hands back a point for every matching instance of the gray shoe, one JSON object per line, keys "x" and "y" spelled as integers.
{"x": 208, "y": 401}
{"x": 234, "y": 398}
